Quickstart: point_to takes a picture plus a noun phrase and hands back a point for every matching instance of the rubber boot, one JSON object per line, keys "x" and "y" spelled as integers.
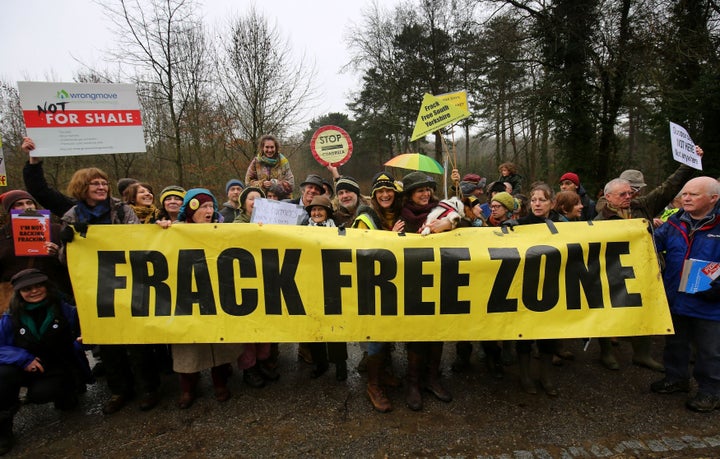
{"x": 413, "y": 397}
{"x": 219, "y": 376}
{"x": 6, "y": 435}
{"x": 188, "y": 386}
{"x": 607, "y": 356}
{"x": 374, "y": 390}
{"x": 434, "y": 384}
{"x": 546, "y": 380}
{"x": 526, "y": 381}
{"x": 641, "y": 353}
{"x": 463, "y": 350}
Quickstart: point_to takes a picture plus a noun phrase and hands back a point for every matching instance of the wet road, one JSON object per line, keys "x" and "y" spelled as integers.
{"x": 599, "y": 413}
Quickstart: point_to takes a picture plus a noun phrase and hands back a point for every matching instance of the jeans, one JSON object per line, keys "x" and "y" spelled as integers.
{"x": 705, "y": 336}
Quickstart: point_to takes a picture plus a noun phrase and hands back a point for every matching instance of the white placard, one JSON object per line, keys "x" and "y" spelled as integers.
{"x": 268, "y": 211}
{"x": 71, "y": 119}
{"x": 683, "y": 147}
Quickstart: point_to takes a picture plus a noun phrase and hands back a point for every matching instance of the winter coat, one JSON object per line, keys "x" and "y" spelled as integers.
{"x": 679, "y": 242}
{"x": 229, "y": 213}
{"x": 259, "y": 172}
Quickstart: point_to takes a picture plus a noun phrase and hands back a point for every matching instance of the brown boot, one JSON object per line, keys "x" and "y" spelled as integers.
{"x": 434, "y": 385}
{"x": 546, "y": 368}
{"x": 375, "y": 391}
{"x": 526, "y": 381}
{"x": 413, "y": 397}
{"x": 188, "y": 385}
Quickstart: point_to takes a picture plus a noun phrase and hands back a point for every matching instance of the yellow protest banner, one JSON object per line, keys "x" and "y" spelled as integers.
{"x": 274, "y": 283}
{"x": 435, "y": 114}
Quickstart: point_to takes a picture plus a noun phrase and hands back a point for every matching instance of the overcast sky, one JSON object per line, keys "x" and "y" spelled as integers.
{"x": 42, "y": 39}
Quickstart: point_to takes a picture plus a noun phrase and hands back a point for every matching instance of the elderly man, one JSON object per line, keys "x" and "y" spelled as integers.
{"x": 348, "y": 199}
{"x": 621, "y": 201}
{"x": 692, "y": 233}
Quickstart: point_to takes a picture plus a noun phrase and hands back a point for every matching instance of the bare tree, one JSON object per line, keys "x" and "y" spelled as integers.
{"x": 266, "y": 90}
{"x": 162, "y": 41}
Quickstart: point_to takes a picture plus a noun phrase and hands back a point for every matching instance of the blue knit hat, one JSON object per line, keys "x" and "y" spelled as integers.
{"x": 233, "y": 182}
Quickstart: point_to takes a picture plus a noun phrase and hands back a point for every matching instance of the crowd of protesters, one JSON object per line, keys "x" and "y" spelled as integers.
{"x": 40, "y": 339}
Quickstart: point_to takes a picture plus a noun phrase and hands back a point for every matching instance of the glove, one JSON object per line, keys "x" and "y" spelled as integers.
{"x": 81, "y": 227}
{"x": 713, "y": 293}
{"x": 67, "y": 234}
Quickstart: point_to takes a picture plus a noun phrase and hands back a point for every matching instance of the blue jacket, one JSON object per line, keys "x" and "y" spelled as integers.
{"x": 18, "y": 356}
{"x": 679, "y": 243}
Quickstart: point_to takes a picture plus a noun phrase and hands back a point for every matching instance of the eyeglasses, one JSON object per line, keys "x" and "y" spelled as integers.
{"x": 624, "y": 194}
{"x": 98, "y": 183}
{"x": 496, "y": 206}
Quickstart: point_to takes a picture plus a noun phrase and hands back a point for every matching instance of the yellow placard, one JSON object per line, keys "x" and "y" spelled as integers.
{"x": 274, "y": 283}
{"x": 458, "y": 99}
{"x": 436, "y": 113}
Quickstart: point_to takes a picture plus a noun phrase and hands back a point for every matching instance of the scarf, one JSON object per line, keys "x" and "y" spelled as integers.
{"x": 272, "y": 162}
{"x": 415, "y": 215}
{"x": 145, "y": 213}
{"x": 100, "y": 214}
{"x": 622, "y": 213}
{"x": 30, "y": 324}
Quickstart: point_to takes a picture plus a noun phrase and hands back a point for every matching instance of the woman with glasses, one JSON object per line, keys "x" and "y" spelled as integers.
{"x": 123, "y": 363}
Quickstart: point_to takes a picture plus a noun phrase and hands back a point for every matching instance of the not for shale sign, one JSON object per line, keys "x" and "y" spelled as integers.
{"x": 72, "y": 119}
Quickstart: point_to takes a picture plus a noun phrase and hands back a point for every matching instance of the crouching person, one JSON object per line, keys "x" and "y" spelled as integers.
{"x": 39, "y": 349}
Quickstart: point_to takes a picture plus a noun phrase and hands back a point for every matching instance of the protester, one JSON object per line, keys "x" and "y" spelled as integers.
{"x": 200, "y": 206}
{"x": 35, "y": 183}
{"x": 231, "y": 208}
{"x": 692, "y": 234}
{"x": 492, "y": 190}
{"x": 569, "y": 205}
{"x": 383, "y": 213}
{"x": 11, "y": 264}
{"x": 311, "y": 187}
{"x": 320, "y": 211}
{"x": 123, "y": 363}
{"x": 141, "y": 198}
{"x": 270, "y": 167}
{"x": 171, "y": 199}
{"x": 247, "y": 202}
{"x": 541, "y": 206}
{"x": 39, "y": 350}
{"x": 570, "y": 181}
{"x": 424, "y": 358}
{"x": 509, "y": 174}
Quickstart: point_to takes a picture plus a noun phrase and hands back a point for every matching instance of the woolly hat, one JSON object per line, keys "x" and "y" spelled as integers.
{"x": 467, "y": 188}
{"x": 172, "y": 190}
{"x": 384, "y": 180}
{"x": 194, "y": 198}
{"x": 11, "y": 197}
{"x": 321, "y": 201}
{"x": 347, "y": 183}
{"x": 472, "y": 178}
{"x": 417, "y": 180}
{"x": 473, "y": 201}
{"x": 233, "y": 182}
{"x": 246, "y": 191}
{"x": 635, "y": 178}
{"x": 123, "y": 183}
{"x": 506, "y": 200}
{"x": 313, "y": 179}
{"x": 28, "y": 277}
{"x": 573, "y": 177}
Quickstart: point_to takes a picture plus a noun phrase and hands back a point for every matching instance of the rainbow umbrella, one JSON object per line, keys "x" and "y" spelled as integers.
{"x": 416, "y": 162}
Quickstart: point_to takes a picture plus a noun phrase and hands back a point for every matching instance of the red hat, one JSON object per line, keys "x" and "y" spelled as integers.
{"x": 195, "y": 203}
{"x": 573, "y": 177}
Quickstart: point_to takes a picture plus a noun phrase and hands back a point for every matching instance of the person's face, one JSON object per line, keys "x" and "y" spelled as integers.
{"x": 540, "y": 204}
{"x": 576, "y": 211}
{"x": 250, "y": 201}
{"x": 318, "y": 214}
{"x": 504, "y": 171}
{"x": 696, "y": 200}
{"x": 172, "y": 204}
{"x": 97, "y": 191}
{"x": 620, "y": 196}
{"x": 143, "y": 197}
{"x": 234, "y": 194}
{"x": 477, "y": 211}
{"x": 34, "y": 293}
{"x": 421, "y": 196}
{"x": 204, "y": 214}
{"x": 508, "y": 187}
{"x": 568, "y": 185}
{"x": 272, "y": 196}
{"x": 24, "y": 204}
{"x": 347, "y": 199}
{"x": 477, "y": 192}
{"x": 385, "y": 197}
{"x": 310, "y": 192}
{"x": 498, "y": 211}
{"x": 268, "y": 148}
